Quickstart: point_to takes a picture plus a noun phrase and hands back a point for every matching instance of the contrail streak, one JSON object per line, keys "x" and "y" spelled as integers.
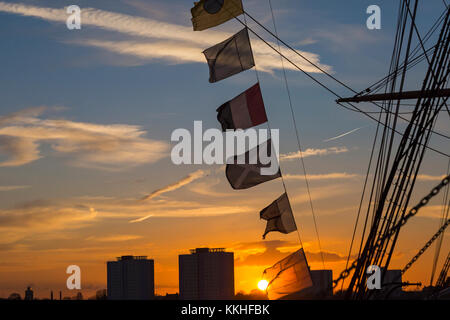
{"x": 176, "y": 185}
{"x": 342, "y": 135}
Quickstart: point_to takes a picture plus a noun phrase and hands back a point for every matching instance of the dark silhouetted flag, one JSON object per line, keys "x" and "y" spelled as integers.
{"x": 244, "y": 111}
{"x": 230, "y": 56}
{"x": 244, "y": 171}
{"x": 288, "y": 276}
{"x": 279, "y": 216}
{"x": 210, "y": 13}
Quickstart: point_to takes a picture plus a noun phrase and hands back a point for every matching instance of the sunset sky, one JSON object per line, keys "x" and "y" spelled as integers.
{"x": 86, "y": 118}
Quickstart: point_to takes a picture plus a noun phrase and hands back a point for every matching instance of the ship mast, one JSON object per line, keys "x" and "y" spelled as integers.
{"x": 398, "y": 163}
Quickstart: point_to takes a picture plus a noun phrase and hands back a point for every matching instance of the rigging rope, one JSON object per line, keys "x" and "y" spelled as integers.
{"x": 270, "y": 133}
{"x": 309, "y": 61}
{"x": 345, "y": 273}
{"x": 362, "y": 199}
{"x": 443, "y": 275}
{"x": 298, "y": 138}
{"x": 419, "y": 136}
{"x": 314, "y": 79}
{"x": 445, "y": 211}
{"x": 405, "y": 166}
{"x": 433, "y": 28}
{"x": 324, "y": 86}
{"x": 426, "y": 246}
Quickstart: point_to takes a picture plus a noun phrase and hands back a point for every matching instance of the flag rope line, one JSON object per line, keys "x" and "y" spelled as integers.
{"x": 298, "y": 137}
{"x": 270, "y": 136}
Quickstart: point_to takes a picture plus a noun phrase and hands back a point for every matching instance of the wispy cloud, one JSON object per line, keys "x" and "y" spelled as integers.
{"x": 158, "y": 39}
{"x": 326, "y": 192}
{"x": 306, "y": 41}
{"x": 41, "y": 217}
{"x": 346, "y": 37}
{"x": 50, "y": 218}
{"x": 429, "y": 177}
{"x": 176, "y": 185}
{"x": 115, "y": 238}
{"x": 198, "y": 212}
{"x": 112, "y": 147}
{"x": 12, "y": 188}
{"x": 21, "y": 150}
{"x": 435, "y": 212}
{"x": 326, "y": 176}
{"x": 313, "y": 152}
{"x": 209, "y": 188}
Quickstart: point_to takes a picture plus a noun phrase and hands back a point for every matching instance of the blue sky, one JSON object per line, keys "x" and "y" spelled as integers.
{"x": 119, "y": 72}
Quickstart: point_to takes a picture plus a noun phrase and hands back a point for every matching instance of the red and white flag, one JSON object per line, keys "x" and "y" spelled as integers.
{"x": 244, "y": 111}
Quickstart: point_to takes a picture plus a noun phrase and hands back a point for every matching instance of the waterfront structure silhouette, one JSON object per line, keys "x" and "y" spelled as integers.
{"x": 29, "y": 295}
{"x": 206, "y": 274}
{"x": 131, "y": 278}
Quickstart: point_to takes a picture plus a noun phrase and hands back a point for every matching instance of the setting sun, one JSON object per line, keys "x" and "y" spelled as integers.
{"x": 262, "y": 285}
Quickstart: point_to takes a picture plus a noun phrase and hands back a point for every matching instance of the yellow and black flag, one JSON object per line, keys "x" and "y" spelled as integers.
{"x": 210, "y": 13}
